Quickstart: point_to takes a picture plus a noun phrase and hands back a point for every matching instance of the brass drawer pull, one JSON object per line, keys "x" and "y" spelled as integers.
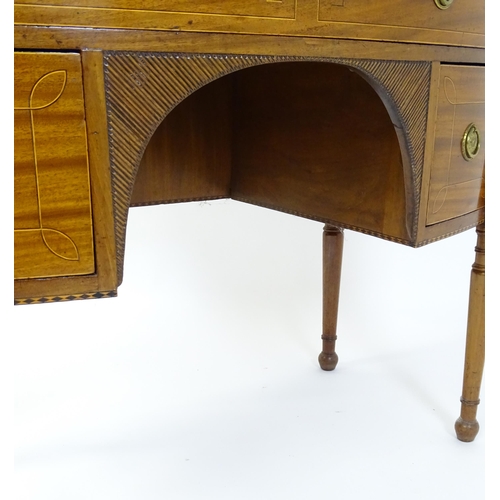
{"x": 471, "y": 142}
{"x": 443, "y": 4}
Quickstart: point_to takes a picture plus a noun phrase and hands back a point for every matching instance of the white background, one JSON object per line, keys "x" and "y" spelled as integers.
{"x": 200, "y": 381}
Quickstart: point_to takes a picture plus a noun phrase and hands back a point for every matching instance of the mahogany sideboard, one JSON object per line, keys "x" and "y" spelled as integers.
{"x": 366, "y": 115}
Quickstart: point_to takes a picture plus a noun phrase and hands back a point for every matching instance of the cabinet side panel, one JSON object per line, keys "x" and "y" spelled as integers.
{"x": 189, "y": 155}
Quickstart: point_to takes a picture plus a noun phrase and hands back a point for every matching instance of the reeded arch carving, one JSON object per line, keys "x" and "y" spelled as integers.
{"x": 142, "y": 88}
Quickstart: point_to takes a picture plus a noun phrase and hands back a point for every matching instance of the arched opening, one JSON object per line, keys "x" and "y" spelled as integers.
{"x": 310, "y": 138}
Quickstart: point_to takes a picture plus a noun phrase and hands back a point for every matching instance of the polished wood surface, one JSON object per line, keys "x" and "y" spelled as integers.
{"x": 102, "y": 199}
{"x": 264, "y": 8}
{"x": 465, "y": 15}
{"x": 53, "y": 233}
{"x": 68, "y": 38}
{"x": 314, "y": 139}
{"x": 189, "y": 155}
{"x": 102, "y": 282}
{"x": 348, "y": 112}
{"x": 395, "y": 20}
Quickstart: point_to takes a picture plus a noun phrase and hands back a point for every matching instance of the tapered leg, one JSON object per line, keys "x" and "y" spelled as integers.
{"x": 466, "y": 426}
{"x": 333, "y": 242}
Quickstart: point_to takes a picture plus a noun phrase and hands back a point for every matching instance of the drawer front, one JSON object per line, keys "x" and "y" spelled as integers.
{"x": 461, "y": 15}
{"x": 462, "y": 24}
{"x": 52, "y": 206}
{"x": 259, "y": 8}
{"x": 457, "y": 171}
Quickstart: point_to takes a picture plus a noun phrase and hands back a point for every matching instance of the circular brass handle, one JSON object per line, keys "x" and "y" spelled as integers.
{"x": 471, "y": 142}
{"x": 443, "y": 4}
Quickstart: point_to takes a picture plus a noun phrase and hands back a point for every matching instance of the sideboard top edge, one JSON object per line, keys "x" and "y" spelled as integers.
{"x": 64, "y": 38}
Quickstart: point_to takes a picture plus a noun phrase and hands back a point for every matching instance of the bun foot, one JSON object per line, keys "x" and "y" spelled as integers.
{"x": 466, "y": 430}
{"x": 328, "y": 362}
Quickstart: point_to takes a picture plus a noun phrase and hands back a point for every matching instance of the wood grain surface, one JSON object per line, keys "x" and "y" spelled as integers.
{"x": 52, "y": 207}
{"x": 456, "y": 185}
{"x": 315, "y": 139}
{"x": 383, "y": 20}
{"x": 189, "y": 155}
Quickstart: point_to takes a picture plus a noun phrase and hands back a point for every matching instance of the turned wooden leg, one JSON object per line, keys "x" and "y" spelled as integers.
{"x": 333, "y": 242}
{"x": 466, "y": 426}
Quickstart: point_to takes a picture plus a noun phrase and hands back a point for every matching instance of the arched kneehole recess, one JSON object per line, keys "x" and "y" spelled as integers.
{"x": 318, "y": 139}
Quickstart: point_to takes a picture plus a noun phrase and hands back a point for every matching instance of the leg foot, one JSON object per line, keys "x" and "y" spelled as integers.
{"x": 328, "y": 362}
{"x": 466, "y": 431}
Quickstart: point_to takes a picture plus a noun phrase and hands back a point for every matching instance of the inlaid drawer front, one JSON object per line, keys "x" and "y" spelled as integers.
{"x": 459, "y": 23}
{"x": 457, "y": 171}
{"x": 52, "y": 206}
{"x": 460, "y": 15}
{"x": 259, "y": 8}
